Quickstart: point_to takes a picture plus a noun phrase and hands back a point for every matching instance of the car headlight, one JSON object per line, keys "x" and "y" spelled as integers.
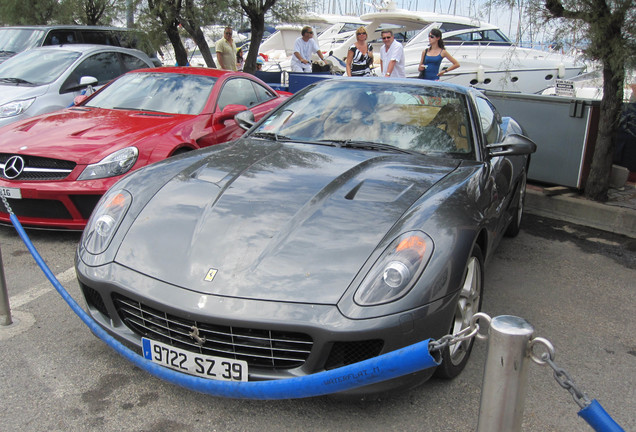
{"x": 396, "y": 271}
{"x": 112, "y": 165}
{"x": 105, "y": 220}
{"x": 15, "y": 108}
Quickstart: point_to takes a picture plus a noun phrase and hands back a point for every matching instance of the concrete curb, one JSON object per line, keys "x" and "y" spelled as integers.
{"x": 581, "y": 211}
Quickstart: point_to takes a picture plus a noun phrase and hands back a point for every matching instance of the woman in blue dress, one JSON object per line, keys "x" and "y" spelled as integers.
{"x": 432, "y": 58}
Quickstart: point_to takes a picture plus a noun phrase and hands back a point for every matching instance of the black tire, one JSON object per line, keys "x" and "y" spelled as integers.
{"x": 181, "y": 151}
{"x": 515, "y": 223}
{"x": 455, "y": 357}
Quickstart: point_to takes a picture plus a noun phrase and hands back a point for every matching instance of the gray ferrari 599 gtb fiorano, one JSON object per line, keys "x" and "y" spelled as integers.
{"x": 355, "y": 219}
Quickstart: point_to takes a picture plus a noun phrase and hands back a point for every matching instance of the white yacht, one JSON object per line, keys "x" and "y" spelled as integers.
{"x": 330, "y": 32}
{"x": 487, "y": 57}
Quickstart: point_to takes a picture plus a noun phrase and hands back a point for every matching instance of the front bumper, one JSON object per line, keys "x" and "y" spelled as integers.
{"x": 55, "y": 204}
{"x": 335, "y": 340}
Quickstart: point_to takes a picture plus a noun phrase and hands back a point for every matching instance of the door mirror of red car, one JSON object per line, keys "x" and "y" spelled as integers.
{"x": 245, "y": 119}
{"x": 229, "y": 111}
{"x": 79, "y": 99}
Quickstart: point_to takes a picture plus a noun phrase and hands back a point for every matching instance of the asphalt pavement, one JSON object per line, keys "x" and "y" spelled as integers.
{"x": 56, "y": 376}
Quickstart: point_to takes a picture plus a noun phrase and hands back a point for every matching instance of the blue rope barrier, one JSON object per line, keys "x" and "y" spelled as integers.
{"x": 397, "y": 363}
{"x": 596, "y": 416}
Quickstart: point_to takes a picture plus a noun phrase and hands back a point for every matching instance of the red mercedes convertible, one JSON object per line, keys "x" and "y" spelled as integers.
{"x": 55, "y": 167}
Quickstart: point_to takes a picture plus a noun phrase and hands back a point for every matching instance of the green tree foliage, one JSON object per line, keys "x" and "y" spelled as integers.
{"x": 199, "y": 13}
{"x": 256, "y": 11}
{"x": 27, "y": 12}
{"x": 177, "y": 18}
{"x": 90, "y": 12}
{"x": 46, "y": 12}
{"x": 164, "y": 15}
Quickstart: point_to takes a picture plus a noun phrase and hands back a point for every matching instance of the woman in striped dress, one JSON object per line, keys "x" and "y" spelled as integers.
{"x": 360, "y": 55}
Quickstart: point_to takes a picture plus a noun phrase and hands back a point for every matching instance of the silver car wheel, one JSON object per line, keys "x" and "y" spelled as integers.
{"x": 467, "y": 306}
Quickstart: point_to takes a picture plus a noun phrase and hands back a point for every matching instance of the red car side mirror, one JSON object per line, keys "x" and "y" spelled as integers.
{"x": 229, "y": 111}
{"x": 79, "y": 99}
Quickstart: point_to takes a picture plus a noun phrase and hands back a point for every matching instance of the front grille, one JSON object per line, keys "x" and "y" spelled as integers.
{"x": 346, "y": 353}
{"x": 39, "y": 168}
{"x": 259, "y": 348}
{"x": 85, "y": 204}
{"x": 37, "y": 208}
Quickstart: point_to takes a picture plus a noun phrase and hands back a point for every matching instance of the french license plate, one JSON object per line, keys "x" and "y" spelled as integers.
{"x": 10, "y": 192}
{"x": 201, "y": 365}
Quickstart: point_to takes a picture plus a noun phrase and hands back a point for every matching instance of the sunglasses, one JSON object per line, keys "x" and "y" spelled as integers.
{"x": 360, "y": 34}
{"x": 310, "y": 32}
{"x": 431, "y": 36}
{"x": 386, "y": 37}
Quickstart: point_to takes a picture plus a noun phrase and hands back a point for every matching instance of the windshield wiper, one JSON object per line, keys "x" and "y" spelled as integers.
{"x": 140, "y": 109}
{"x": 16, "y": 81}
{"x": 373, "y": 146}
{"x": 271, "y": 135}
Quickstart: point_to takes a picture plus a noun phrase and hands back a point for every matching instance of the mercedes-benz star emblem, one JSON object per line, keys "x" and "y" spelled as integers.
{"x": 13, "y": 167}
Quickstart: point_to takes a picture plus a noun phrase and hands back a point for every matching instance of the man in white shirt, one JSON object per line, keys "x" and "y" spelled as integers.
{"x": 392, "y": 61}
{"x": 304, "y": 47}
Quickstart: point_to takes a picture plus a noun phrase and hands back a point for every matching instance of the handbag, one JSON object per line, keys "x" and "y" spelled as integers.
{"x": 422, "y": 74}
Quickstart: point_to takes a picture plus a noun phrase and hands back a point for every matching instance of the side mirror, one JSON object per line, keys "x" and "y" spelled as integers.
{"x": 86, "y": 81}
{"x": 513, "y": 144}
{"x": 229, "y": 111}
{"x": 70, "y": 85}
{"x": 245, "y": 119}
{"x": 79, "y": 99}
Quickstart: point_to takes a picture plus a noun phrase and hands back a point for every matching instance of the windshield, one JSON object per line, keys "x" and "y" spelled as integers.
{"x": 414, "y": 117}
{"x": 18, "y": 40}
{"x": 154, "y": 91}
{"x": 37, "y": 67}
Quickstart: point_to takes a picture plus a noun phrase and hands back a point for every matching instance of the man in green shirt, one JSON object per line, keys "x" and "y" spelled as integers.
{"x": 226, "y": 51}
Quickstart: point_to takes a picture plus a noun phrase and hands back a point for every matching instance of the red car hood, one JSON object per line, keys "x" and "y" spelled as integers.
{"x": 84, "y": 135}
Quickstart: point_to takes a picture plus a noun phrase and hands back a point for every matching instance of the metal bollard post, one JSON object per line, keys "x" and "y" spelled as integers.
{"x": 5, "y": 310}
{"x": 505, "y": 375}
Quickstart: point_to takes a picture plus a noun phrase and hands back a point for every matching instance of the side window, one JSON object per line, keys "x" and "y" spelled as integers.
{"x": 262, "y": 93}
{"x": 99, "y": 38}
{"x": 104, "y": 66}
{"x": 131, "y": 62}
{"x": 60, "y": 37}
{"x": 238, "y": 91}
{"x": 489, "y": 121}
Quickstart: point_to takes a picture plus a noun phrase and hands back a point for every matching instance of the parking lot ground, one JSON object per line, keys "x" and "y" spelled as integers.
{"x": 575, "y": 285}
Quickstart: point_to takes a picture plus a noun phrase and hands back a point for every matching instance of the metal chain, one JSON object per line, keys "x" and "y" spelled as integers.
{"x": 560, "y": 375}
{"x": 464, "y": 334}
{"x": 6, "y": 204}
